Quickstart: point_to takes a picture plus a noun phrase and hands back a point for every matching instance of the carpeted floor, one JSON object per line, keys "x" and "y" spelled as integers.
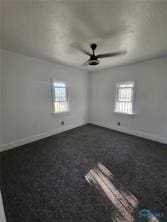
{"x": 89, "y": 174}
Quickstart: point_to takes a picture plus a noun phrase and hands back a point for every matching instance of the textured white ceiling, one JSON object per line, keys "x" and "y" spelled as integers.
{"x": 55, "y": 29}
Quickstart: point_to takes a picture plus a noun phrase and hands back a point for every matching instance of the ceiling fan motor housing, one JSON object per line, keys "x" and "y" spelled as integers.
{"x": 93, "y": 62}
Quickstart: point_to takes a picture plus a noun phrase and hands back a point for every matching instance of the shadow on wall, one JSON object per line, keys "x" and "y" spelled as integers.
{"x": 123, "y": 203}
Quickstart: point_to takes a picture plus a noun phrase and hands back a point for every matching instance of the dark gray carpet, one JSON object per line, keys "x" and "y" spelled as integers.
{"x": 45, "y": 181}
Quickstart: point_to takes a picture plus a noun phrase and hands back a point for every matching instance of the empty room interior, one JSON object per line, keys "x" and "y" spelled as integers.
{"x": 83, "y": 111}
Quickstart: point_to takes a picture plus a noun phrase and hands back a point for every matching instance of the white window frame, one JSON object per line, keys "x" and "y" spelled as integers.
{"x": 52, "y": 82}
{"x": 132, "y": 99}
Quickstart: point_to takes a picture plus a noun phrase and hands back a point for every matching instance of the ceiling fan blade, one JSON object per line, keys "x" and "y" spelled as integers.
{"x": 107, "y": 55}
{"x": 84, "y": 51}
{"x": 78, "y": 47}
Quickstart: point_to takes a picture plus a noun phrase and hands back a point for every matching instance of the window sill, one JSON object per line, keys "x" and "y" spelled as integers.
{"x": 125, "y": 114}
{"x": 66, "y": 113}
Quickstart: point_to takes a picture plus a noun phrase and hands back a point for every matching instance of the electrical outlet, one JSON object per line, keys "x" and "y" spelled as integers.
{"x": 62, "y": 123}
{"x": 118, "y": 123}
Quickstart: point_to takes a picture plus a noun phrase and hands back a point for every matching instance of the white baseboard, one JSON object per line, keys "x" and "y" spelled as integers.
{"x": 131, "y": 132}
{"x": 24, "y": 141}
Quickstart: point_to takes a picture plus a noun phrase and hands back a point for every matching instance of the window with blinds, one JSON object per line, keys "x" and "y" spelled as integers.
{"x": 124, "y": 102}
{"x": 60, "y": 97}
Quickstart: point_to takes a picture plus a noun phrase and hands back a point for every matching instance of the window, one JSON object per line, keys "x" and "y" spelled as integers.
{"x": 124, "y": 102}
{"x": 60, "y": 97}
